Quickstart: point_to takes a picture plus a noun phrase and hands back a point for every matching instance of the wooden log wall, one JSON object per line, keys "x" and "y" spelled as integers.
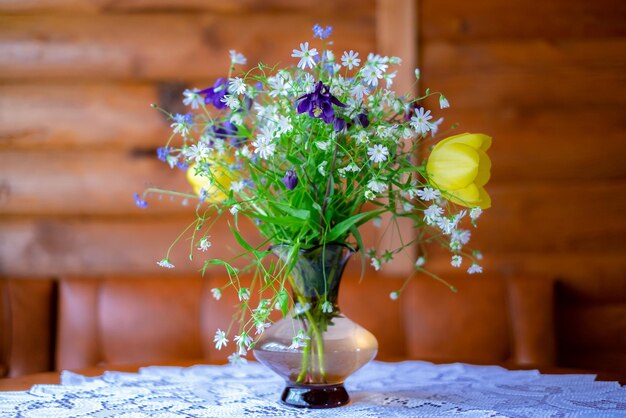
{"x": 546, "y": 79}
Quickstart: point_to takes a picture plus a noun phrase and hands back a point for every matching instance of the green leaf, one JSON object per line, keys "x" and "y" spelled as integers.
{"x": 343, "y": 226}
{"x": 240, "y": 239}
{"x": 303, "y": 214}
{"x": 359, "y": 242}
{"x": 282, "y": 298}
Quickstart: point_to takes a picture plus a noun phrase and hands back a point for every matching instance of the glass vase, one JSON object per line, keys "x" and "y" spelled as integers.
{"x": 315, "y": 347}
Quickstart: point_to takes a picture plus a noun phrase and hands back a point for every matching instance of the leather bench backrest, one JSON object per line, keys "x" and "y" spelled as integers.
{"x": 28, "y": 318}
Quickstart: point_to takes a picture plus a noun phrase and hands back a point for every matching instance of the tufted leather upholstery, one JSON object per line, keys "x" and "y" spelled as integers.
{"x": 123, "y": 320}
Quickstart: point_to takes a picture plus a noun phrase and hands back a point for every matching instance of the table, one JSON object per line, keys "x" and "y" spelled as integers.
{"x": 403, "y": 389}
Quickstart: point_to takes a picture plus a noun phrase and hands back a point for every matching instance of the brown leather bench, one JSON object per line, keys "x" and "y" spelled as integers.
{"x": 78, "y": 322}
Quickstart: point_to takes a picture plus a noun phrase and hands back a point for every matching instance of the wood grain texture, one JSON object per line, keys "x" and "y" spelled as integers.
{"x": 313, "y": 7}
{"x": 157, "y": 47}
{"x": 489, "y": 19}
{"x": 68, "y": 115}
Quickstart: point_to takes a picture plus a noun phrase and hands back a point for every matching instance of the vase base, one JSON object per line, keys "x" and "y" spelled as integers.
{"x": 315, "y": 396}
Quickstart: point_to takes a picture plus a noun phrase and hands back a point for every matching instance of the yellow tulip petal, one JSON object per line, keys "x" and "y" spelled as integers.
{"x": 453, "y": 167}
{"x": 476, "y": 141}
{"x": 484, "y": 169}
{"x": 468, "y": 196}
{"x": 215, "y": 185}
{"x": 484, "y": 202}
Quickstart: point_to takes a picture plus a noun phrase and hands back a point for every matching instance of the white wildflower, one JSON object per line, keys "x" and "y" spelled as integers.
{"x": 323, "y": 145}
{"x": 237, "y": 57}
{"x": 443, "y": 102}
{"x": 327, "y": 307}
{"x": 234, "y": 209}
{"x": 280, "y": 85}
{"x": 378, "y": 153}
{"x": 204, "y": 244}
{"x": 394, "y": 295}
{"x": 260, "y": 327}
{"x": 432, "y": 214}
{"x": 299, "y": 308}
{"x": 446, "y": 225}
{"x": 407, "y": 207}
{"x": 236, "y": 119}
{"x": 417, "y": 73}
{"x": 299, "y": 340}
{"x": 428, "y": 193}
{"x": 243, "y": 293}
{"x": 263, "y": 145}
{"x": 236, "y": 359}
{"x": 217, "y": 293}
{"x": 192, "y": 98}
{"x": 350, "y": 59}
{"x": 375, "y": 263}
{"x": 434, "y": 127}
{"x": 359, "y": 91}
{"x": 475, "y": 213}
{"x": 283, "y": 125}
{"x": 362, "y": 137}
{"x": 237, "y": 186}
{"x": 243, "y": 339}
{"x": 377, "y": 186}
{"x": 322, "y": 168}
{"x": 197, "y": 152}
{"x": 420, "y": 262}
{"x": 420, "y": 121}
{"x": 475, "y": 268}
{"x": 231, "y": 102}
{"x": 220, "y": 339}
{"x": 456, "y": 261}
{"x": 369, "y": 195}
{"x": 306, "y": 56}
{"x": 461, "y": 235}
{"x": 477, "y": 254}
{"x": 371, "y": 74}
{"x": 237, "y": 85}
{"x": 165, "y": 263}
{"x": 388, "y": 77}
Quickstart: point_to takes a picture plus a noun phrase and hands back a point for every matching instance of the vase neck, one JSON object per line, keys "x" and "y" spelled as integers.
{"x": 317, "y": 271}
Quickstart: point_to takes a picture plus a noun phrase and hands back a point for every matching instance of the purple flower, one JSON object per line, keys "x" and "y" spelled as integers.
{"x": 322, "y": 33}
{"x": 319, "y": 104}
{"x": 139, "y": 201}
{"x": 228, "y": 132}
{"x": 214, "y": 95}
{"x": 182, "y": 165}
{"x": 362, "y": 119}
{"x": 339, "y": 124}
{"x": 290, "y": 180}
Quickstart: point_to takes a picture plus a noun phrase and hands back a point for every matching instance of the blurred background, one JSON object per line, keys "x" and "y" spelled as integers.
{"x": 547, "y": 80}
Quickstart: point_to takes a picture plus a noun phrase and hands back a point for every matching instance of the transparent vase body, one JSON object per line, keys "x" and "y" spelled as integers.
{"x": 315, "y": 347}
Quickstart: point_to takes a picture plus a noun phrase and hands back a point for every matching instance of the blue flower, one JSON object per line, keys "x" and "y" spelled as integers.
{"x": 319, "y": 104}
{"x": 290, "y": 180}
{"x": 139, "y": 201}
{"x": 322, "y": 33}
{"x": 214, "y": 95}
{"x": 162, "y": 153}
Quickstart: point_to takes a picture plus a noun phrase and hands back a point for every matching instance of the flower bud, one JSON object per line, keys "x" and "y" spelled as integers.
{"x": 290, "y": 180}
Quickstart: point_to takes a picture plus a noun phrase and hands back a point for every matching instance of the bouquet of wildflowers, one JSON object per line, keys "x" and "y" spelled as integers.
{"x": 310, "y": 153}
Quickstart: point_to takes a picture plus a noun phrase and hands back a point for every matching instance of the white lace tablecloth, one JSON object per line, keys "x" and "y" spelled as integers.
{"x": 406, "y": 389}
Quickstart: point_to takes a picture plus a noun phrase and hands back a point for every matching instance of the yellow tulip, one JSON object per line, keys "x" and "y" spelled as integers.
{"x": 217, "y": 183}
{"x": 460, "y": 167}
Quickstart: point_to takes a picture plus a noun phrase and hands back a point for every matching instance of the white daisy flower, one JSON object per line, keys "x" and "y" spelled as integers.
{"x": 232, "y": 102}
{"x": 350, "y": 59}
{"x": 371, "y": 74}
{"x": 428, "y": 193}
{"x": 433, "y": 213}
{"x": 220, "y": 339}
{"x": 456, "y": 261}
{"x": 306, "y": 56}
{"x": 264, "y": 146}
{"x": 192, "y": 98}
{"x": 237, "y": 186}
{"x": 420, "y": 121}
{"x": 378, "y": 153}
{"x": 236, "y": 85}
{"x": 475, "y": 213}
